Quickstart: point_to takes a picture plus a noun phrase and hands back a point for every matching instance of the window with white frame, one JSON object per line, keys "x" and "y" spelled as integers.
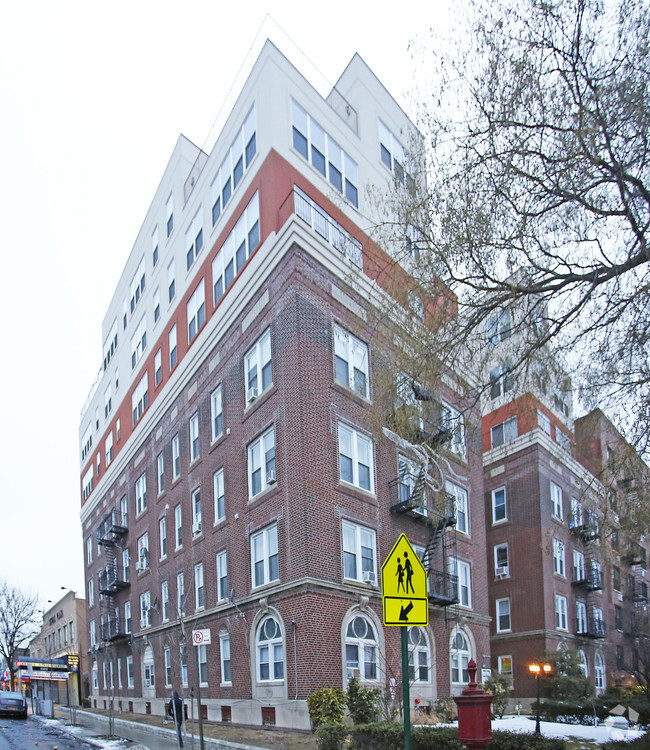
{"x": 156, "y": 305}
{"x": 503, "y": 615}
{"x": 499, "y": 507}
{"x": 178, "y": 526}
{"x": 89, "y": 550}
{"x": 130, "y": 681}
{"x": 180, "y": 593}
{"x": 143, "y": 551}
{"x": 359, "y": 553}
{"x": 499, "y": 328}
{"x": 216, "y": 413}
{"x": 558, "y": 557}
{"x": 543, "y": 422}
{"x": 169, "y": 214}
{"x": 124, "y": 510}
{"x": 317, "y": 147}
{"x": 393, "y": 155}
{"x": 167, "y": 656}
{"x": 157, "y": 367}
{"x": 140, "y": 493}
{"x": 110, "y": 344}
{"x": 599, "y": 672}
{"x": 234, "y": 166}
{"x": 95, "y": 674}
{"x": 86, "y": 442}
{"x": 128, "y": 621}
{"x": 505, "y": 664}
{"x": 351, "y": 362}
{"x": 557, "y": 510}
{"x": 202, "y": 654}
{"x": 578, "y": 565}
{"x": 91, "y": 592}
{"x": 119, "y": 673}
{"x": 140, "y": 398}
{"x": 219, "y": 492}
{"x": 582, "y": 662}
{"x": 419, "y": 656}
{"x": 171, "y": 280}
{"x": 463, "y": 571}
{"x": 145, "y": 609}
{"x": 195, "y": 451}
{"x": 453, "y": 421}
{"x": 224, "y": 649}
{"x": 581, "y": 618}
{"x": 504, "y": 432}
{"x": 164, "y": 600}
{"x": 136, "y": 286}
{"x": 459, "y": 497}
{"x": 501, "y": 380}
{"x": 261, "y": 463}
{"x": 561, "y": 619}
{"x": 361, "y": 650}
{"x": 196, "y": 312}
{"x": 194, "y": 238}
{"x": 197, "y": 516}
{"x": 173, "y": 347}
{"x": 460, "y": 654}
{"x": 108, "y": 400}
{"x": 176, "y": 456}
{"x": 269, "y": 651}
{"x": 108, "y": 448}
{"x": 501, "y": 560}
{"x": 162, "y": 537}
{"x": 355, "y": 458}
{"x": 139, "y": 341}
{"x": 183, "y": 664}
{"x": 87, "y": 483}
{"x": 236, "y": 250}
{"x": 265, "y": 564}
{"x": 160, "y": 472}
{"x": 199, "y": 589}
{"x": 222, "y": 577}
{"x": 258, "y": 368}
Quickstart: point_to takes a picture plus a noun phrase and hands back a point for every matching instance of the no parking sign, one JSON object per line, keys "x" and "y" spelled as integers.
{"x": 201, "y": 637}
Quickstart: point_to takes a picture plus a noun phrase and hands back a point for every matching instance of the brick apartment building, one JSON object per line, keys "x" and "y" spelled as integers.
{"x": 234, "y": 473}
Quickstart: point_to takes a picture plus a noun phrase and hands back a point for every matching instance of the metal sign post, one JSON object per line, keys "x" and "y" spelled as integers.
{"x": 405, "y": 603}
{"x": 200, "y": 638}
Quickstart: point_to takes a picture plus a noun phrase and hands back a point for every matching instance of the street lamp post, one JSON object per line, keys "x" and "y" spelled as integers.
{"x": 539, "y": 670}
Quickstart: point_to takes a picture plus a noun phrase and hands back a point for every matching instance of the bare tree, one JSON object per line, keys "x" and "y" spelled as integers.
{"x": 536, "y": 206}
{"x": 18, "y": 622}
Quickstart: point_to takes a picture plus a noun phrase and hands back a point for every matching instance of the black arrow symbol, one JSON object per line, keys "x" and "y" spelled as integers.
{"x": 403, "y": 615}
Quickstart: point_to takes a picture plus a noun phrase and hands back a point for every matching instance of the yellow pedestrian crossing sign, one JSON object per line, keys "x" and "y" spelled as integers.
{"x": 404, "y": 586}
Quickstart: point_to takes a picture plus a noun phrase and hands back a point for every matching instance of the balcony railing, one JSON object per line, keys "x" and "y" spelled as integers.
{"x": 113, "y": 579}
{"x": 588, "y": 576}
{"x": 410, "y": 494}
{"x": 443, "y": 588}
{"x": 584, "y": 525}
{"x": 324, "y": 225}
{"x": 638, "y": 591}
{"x": 591, "y": 627}
{"x": 113, "y": 628}
{"x": 112, "y": 527}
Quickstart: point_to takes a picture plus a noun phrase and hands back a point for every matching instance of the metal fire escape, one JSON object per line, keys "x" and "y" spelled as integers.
{"x": 587, "y": 578}
{"x": 114, "y": 577}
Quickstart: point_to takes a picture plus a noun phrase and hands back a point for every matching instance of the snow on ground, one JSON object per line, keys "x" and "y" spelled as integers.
{"x": 84, "y": 735}
{"x": 598, "y": 734}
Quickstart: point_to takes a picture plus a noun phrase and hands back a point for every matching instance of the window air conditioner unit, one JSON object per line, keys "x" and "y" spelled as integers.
{"x": 196, "y": 527}
{"x": 270, "y": 477}
{"x": 368, "y": 576}
{"x": 501, "y": 571}
{"x": 620, "y": 596}
{"x": 251, "y": 394}
{"x": 147, "y": 682}
{"x": 141, "y": 565}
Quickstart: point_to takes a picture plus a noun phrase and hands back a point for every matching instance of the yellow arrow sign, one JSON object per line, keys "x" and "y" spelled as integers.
{"x": 404, "y": 586}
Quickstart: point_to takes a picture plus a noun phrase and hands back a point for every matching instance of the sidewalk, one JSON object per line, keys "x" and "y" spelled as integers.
{"x": 150, "y": 737}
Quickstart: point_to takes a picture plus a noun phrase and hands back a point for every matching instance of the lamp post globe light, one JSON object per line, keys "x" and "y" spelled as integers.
{"x": 539, "y": 670}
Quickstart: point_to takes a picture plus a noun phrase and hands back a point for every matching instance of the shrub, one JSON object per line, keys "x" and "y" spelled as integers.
{"x": 443, "y": 708}
{"x": 331, "y": 736}
{"x": 363, "y": 703}
{"x": 640, "y": 743}
{"x": 430, "y": 738}
{"x": 387, "y": 735}
{"x": 498, "y": 685}
{"x": 566, "y": 712}
{"x": 517, "y": 741}
{"x": 326, "y": 706}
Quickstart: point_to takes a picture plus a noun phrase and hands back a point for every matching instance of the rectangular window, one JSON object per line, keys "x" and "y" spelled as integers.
{"x": 216, "y": 413}
{"x": 195, "y": 451}
{"x": 194, "y": 238}
{"x": 157, "y": 367}
{"x": 140, "y": 398}
{"x": 224, "y": 647}
{"x": 503, "y": 615}
{"x": 257, "y": 367}
{"x": 463, "y": 571}
{"x": 264, "y": 556}
{"x": 504, "y": 432}
{"x": 557, "y": 510}
{"x": 128, "y": 622}
{"x": 173, "y": 348}
{"x": 110, "y": 344}
{"x": 359, "y": 553}
{"x": 458, "y": 495}
{"x": 143, "y": 552}
{"x": 501, "y": 380}
{"x": 171, "y": 281}
{"x": 168, "y": 666}
{"x": 180, "y": 593}
{"x": 581, "y": 618}
{"x": 176, "y": 457}
{"x": 156, "y": 305}
{"x": 505, "y": 664}
{"x": 501, "y": 560}
{"x": 454, "y": 422}
{"x": 169, "y": 213}
{"x": 108, "y": 448}
{"x": 199, "y": 589}
{"x": 91, "y": 592}
{"x": 499, "y": 507}
{"x": 119, "y": 673}
{"x": 196, "y": 312}
{"x": 355, "y": 458}
{"x": 89, "y": 550}
{"x": 129, "y": 672}
{"x": 178, "y": 526}
{"x": 162, "y": 533}
{"x": 351, "y": 362}
{"x": 543, "y": 422}
{"x": 561, "y": 621}
{"x": 261, "y": 463}
{"x": 136, "y": 286}
{"x": 160, "y": 464}
{"x": 154, "y": 246}
{"x": 196, "y": 512}
{"x": 203, "y": 664}
{"x": 578, "y": 566}
{"x": 219, "y": 495}
{"x": 393, "y": 155}
{"x": 558, "y": 557}
{"x": 108, "y": 401}
{"x": 139, "y": 342}
{"x": 164, "y": 599}
{"x": 140, "y": 494}
{"x": 145, "y": 609}
{"x": 222, "y": 577}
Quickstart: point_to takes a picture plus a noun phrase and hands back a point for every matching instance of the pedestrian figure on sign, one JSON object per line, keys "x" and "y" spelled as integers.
{"x": 409, "y": 573}
{"x": 400, "y": 575}
{"x": 175, "y": 709}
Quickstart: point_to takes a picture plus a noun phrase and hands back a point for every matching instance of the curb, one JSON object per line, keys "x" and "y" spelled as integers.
{"x": 43, "y": 720}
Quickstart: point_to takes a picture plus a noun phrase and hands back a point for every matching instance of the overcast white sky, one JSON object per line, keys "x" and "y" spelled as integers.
{"x": 92, "y": 100}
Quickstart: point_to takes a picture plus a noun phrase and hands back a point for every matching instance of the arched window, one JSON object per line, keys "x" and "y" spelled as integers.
{"x": 460, "y": 656}
{"x": 95, "y": 677}
{"x": 149, "y": 677}
{"x": 361, "y": 649}
{"x": 419, "y": 656}
{"x": 582, "y": 663}
{"x": 599, "y": 672}
{"x": 270, "y": 651}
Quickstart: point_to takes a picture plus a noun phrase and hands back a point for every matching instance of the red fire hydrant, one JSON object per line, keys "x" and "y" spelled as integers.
{"x": 474, "y": 713}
